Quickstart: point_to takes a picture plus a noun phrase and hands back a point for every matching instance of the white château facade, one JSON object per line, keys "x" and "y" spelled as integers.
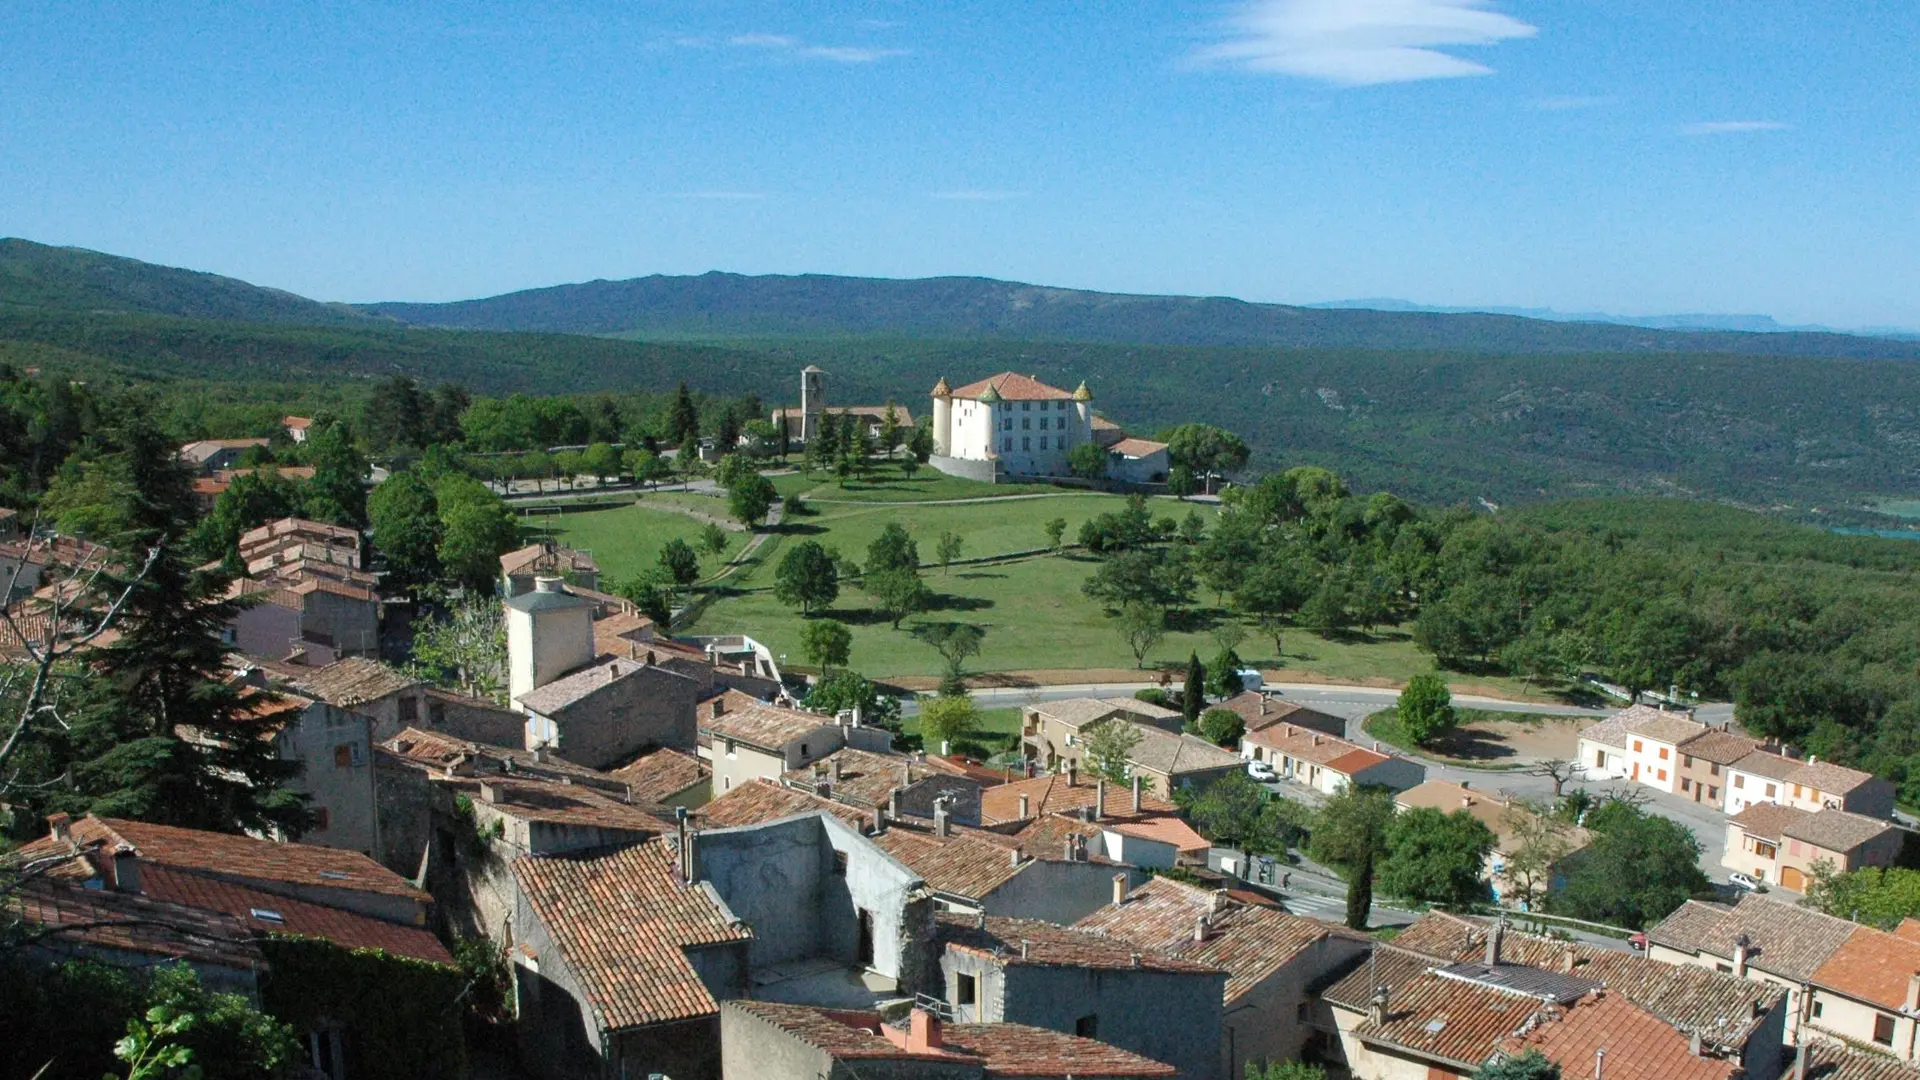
{"x": 1008, "y": 424}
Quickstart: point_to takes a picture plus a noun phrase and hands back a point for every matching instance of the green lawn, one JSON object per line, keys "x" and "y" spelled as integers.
{"x": 626, "y": 541}
{"x": 889, "y": 484}
{"x": 997, "y": 732}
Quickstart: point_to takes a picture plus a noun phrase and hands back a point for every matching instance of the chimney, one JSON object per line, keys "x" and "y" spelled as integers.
{"x": 893, "y": 805}
{"x": 942, "y": 824}
{"x": 1316, "y": 739}
{"x": 1067, "y": 853}
{"x": 651, "y": 659}
{"x": 1741, "y": 947}
{"x": 1263, "y": 704}
{"x": 1133, "y": 960}
{"x": 1023, "y": 807}
{"x": 1136, "y": 793}
{"x": 1567, "y": 958}
{"x": 1913, "y": 993}
{"x": 61, "y": 827}
{"x": 680, "y": 834}
{"x": 1073, "y": 774}
{"x": 1199, "y": 928}
{"x": 879, "y": 820}
{"x": 833, "y": 769}
{"x": 1099, "y": 798}
{"x": 719, "y": 706}
{"x": 1813, "y": 759}
{"x": 1119, "y": 889}
{"x": 1494, "y": 938}
{"x": 922, "y": 1035}
{"x": 1013, "y": 857}
{"x": 126, "y": 869}
{"x": 547, "y": 584}
{"x": 1466, "y": 800}
{"x": 540, "y": 754}
{"x": 488, "y": 793}
{"x": 1693, "y": 1044}
{"x": 1600, "y": 1064}
{"x": 1377, "y": 1008}
{"x": 1023, "y": 948}
{"x": 1800, "y": 1057}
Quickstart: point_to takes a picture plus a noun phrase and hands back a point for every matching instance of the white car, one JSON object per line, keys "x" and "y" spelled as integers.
{"x": 1744, "y": 881}
{"x": 1261, "y": 771}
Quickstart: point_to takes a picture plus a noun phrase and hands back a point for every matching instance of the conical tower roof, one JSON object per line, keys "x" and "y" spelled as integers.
{"x": 991, "y": 396}
{"x": 941, "y": 389}
{"x": 1083, "y": 394}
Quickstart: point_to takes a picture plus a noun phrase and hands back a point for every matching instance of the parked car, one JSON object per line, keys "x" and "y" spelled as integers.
{"x": 1744, "y": 881}
{"x": 1638, "y": 943}
{"x": 1262, "y": 772}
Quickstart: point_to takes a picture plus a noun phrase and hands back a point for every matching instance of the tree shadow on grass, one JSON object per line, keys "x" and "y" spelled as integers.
{"x": 950, "y": 602}
{"x": 1469, "y": 744}
{"x": 795, "y": 528}
{"x": 978, "y": 575}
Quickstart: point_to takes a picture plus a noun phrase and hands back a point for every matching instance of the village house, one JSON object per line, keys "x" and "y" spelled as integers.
{"x": 768, "y": 741}
{"x": 1758, "y": 938}
{"x": 518, "y": 569}
{"x": 1705, "y": 761}
{"x": 1008, "y": 424}
{"x": 1327, "y": 763}
{"x": 1461, "y": 991}
{"x": 1156, "y": 1004}
{"x": 296, "y": 427}
{"x": 314, "y": 602}
{"x": 905, "y": 784}
{"x": 622, "y": 957}
{"x": 394, "y": 701}
{"x": 1868, "y": 992}
{"x": 1138, "y": 461}
{"x": 1276, "y": 963}
{"x": 1641, "y": 744}
{"x": 208, "y": 489}
{"x": 126, "y": 930}
{"x": 1507, "y": 820}
{"x": 1053, "y": 733}
{"x": 1811, "y": 785}
{"x": 667, "y": 776}
{"x": 1782, "y": 844}
{"x": 1825, "y": 1059}
{"x": 1258, "y": 709}
{"x": 1177, "y": 762}
{"x": 208, "y": 456}
{"x": 335, "y": 750}
{"x": 767, "y": 1041}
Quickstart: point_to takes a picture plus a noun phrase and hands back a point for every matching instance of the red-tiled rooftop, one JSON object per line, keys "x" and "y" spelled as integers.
{"x": 253, "y": 909}
{"x": 1031, "y": 942}
{"x": 1013, "y": 387}
{"x": 102, "y": 918}
{"x": 1638, "y": 1045}
{"x": 1052, "y": 793}
{"x": 661, "y": 773}
{"x": 763, "y": 800}
{"x": 769, "y": 727}
{"x": 1010, "y": 1050}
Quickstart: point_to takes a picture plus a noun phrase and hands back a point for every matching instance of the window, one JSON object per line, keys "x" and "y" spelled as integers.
{"x": 436, "y": 713}
{"x": 1026, "y": 406}
{"x": 1637, "y": 747}
{"x": 1026, "y": 423}
{"x": 1713, "y": 769}
{"x": 227, "y": 636}
{"x": 1043, "y": 442}
{"x": 1007, "y": 424}
{"x": 965, "y": 990}
{"x": 342, "y": 756}
{"x": 1739, "y": 781}
{"x": 1060, "y": 405}
{"x": 1303, "y": 1012}
{"x": 1796, "y": 791}
{"x": 1686, "y": 785}
{"x": 803, "y": 749}
{"x": 839, "y": 864}
{"x": 1818, "y": 1008}
{"x": 1088, "y": 1026}
{"x": 1663, "y": 774}
{"x": 1686, "y": 761}
{"x": 1007, "y": 444}
{"x": 1771, "y": 790}
{"x": 1713, "y": 792}
{"x": 321, "y": 819}
{"x": 1663, "y": 753}
{"x": 1026, "y": 443}
{"x": 409, "y": 710}
{"x": 1599, "y": 759}
{"x": 1883, "y": 1029}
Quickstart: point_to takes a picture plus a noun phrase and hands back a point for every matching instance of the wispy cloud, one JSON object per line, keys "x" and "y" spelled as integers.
{"x": 1572, "y": 103}
{"x": 1732, "y": 127}
{"x": 1362, "y": 42}
{"x": 792, "y": 46}
{"x": 976, "y": 195}
{"x": 717, "y": 196}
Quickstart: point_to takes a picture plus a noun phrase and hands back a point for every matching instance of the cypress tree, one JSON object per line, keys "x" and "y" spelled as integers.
{"x": 1360, "y": 890}
{"x": 1193, "y": 696}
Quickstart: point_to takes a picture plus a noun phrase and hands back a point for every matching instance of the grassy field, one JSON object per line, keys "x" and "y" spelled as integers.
{"x": 626, "y": 541}
{"x": 998, "y": 731}
{"x": 889, "y": 484}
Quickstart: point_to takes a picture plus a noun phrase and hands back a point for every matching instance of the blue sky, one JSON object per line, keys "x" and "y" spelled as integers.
{"x": 1637, "y": 156}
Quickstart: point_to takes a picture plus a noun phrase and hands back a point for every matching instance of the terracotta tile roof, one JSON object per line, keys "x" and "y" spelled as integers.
{"x": 1079, "y": 712}
{"x": 1248, "y": 942}
{"x": 1826, "y": 777}
{"x": 1137, "y": 448}
{"x": 1723, "y": 1008}
{"x": 438, "y": 750}
{"x": 1168, "y": 754}
{"x": 847, "y": 1034}
{"x": 769, "y": 727}
{"x": 1166, "y": 830}
{"x": 957, "y": 765}
{"x": 1306, "y": 744}
{"x": 1827, "y": 1060}
{"x": 1387, "y": 966}
{"x": 227, "y": 856}
{"x": 866, "y": 777}
{"x": 1012, "y": 1050}
{"x": 298, "y": 918}
{"x": 969, "y": 863}
{"x": 560, "y": 695}
{"x": 1259, "y": 710}
{"x": 661, "y": 773}
{"x": 1455, "y": 1020}
{"x": 550, "y": 803}
{"x": 1051, "y": 794}
{"x": 1609, "y": 732}
{"x": 872, "y": 412}
{"x": 546, "y": 558}
{"x": 105, "y": 919}
{"x": 1837, "y": 830}
{"x": 1768, "y": 764}
{"x": 1013, "y": 387}
{"x": 1872, "y": 966}
{"x": 1909, "y": 928}
{"x": 1012, "y": 942}
{"x": 1659, "y": 726}
{"x": 623, "y": 922}
{"x": 1356, "y": 761}
{"x": 763, "y": 800}
{"x": 623, "y": 633}
{"x": 355, "y": 680}
{"x": 201, "y": 450}
{"x": 1639, "y": 1046}
{"x": 1767, "y": 820}
{"x": 296, "y": 423}
{"x": 1783, "y": 939}
{"x": 1720, "y": 747}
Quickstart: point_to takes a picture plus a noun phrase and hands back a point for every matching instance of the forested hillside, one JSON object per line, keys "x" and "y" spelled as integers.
{"x": 39, "y": 276}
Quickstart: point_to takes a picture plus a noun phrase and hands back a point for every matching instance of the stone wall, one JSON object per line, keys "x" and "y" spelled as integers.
{"x": 966, "y": 468}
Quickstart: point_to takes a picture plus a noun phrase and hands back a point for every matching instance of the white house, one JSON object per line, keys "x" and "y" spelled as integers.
{"x": 1641, "y": 744}
{"x": 1009, "y": 423}
{"x": 1138, "y": 461}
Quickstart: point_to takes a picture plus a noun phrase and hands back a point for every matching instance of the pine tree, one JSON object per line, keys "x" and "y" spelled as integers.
{"x": 683, "y": 420}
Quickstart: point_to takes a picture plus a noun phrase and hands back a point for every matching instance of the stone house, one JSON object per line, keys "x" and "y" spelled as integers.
{"x": 904, "y": 784}
{"x": 395, "y": 701}
{"x": 1781, "y": 844}
{"x": 1167, "y": 763}
{"x": 1811, "y": 785}
{"x": 1155, "y": 1004}
{"x": 667, "y": 776}
{"x": 1052, "y": 733}
{"x": 767, "y": 1041}
{"x": 335, "y": 750}
{"x": 610, "y": 711}
{"x": 208, "y": 456}
{"x": 1138, "y": 461}
{"x": 1705, "y": 761}
{"x": 1759, "y": 938}
{"x": 1276, "y": 963}
{"x": 1258, "y": 709}
{"x": 765, "y": 742}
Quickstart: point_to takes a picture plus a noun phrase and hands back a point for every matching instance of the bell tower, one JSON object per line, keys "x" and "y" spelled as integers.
{"x": 813, "y": 401}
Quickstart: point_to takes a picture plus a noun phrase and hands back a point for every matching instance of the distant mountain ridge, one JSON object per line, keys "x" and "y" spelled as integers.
{"x": 40, "y": 276}
{"x": 1752, "y": 324}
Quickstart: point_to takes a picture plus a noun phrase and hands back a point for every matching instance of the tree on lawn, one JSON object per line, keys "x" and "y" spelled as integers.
{"x": 405, "y": 518}
{"x": 1055, "y": 529}
{"x": 726, "y": 437}
{"x": 1881, "y": 896}
{"x": 683, "y": 422}
{"x": 1088, "y": 461}
{"x": 601, "y": 461}
{"x": 1204, "y": 450}
{"x": 1193, "y": 695}
{"x": 1222, "y": 727}
{"x": 899, "y": 593}
{"x": 826, "y": 643}
{"x": 890, "y": 433}
{"x": 680, "y": 562}
{"x": 1436, "y": 858}
{"x": 1143, "y": 626}
{"x": 807, "y": 578}
{"x": 646, "y": 466}
{"x": 1223, "y": 677}
{"x": 920, "y": 445}
{"x": 948, "y": 549}
{"x": 652, "y": 592}
{"x": 945, "y": 720}
{"x": 750, "y": 499}
{"x": 1350, "y": 835}
{"x": 1636, "y": 869}
{"x": 713, "y": 539}
{"x": 1109, "y": 746}
{"x": 1235, "y": 812}
{"x": 893, "y": 549}
{"x": 956, "y": 643}
{"x": 1425, "y": 709}
{"x": 1532, "y": 1065}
